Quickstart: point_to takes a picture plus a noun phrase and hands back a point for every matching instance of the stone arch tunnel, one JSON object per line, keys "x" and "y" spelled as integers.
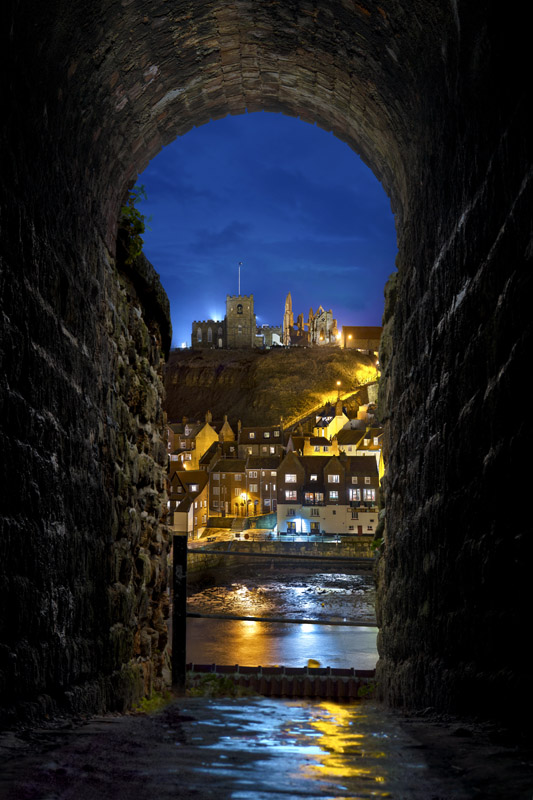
{"x": 434, "y": 96}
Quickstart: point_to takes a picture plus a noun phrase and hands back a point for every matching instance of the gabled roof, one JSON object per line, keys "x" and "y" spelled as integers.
{"x": 263, "y": 462}
{"x": 362, "y": 465}
{"x": 229, "y": 465}
{"x": 319, "y": 440}
{"x": 351, "y": 436}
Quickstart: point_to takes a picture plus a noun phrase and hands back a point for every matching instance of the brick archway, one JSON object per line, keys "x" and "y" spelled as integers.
{"x": 432, "y": 96}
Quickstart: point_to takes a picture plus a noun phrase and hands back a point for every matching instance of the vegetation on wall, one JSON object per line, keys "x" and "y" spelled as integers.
{"x": 133, "y": 223}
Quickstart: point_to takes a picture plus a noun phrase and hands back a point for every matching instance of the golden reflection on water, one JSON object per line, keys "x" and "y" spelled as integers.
{"x": 342, "y": 746}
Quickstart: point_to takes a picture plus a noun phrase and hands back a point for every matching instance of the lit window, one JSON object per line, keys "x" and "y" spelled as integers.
{"x": 333, "y": 479}
{"x": 223, "y": 475}
{"x": 290, "y": 478}
{"x": 273, "y": 487}
{"x": 313, "y": 477}
{"x": 290, "y": 494}
{"x": 264, "y": 449}
{"x": 267, "y": 503}
{"x": 319, "y": 497}
{"x": 237, "y": 476}
{"x": 333, "y": 495}
{"x": 273, "y": 474}
{"x": 309, "y": 497}
{"x": 367, "y": 479}
{"x": 253, "y": 487}
{"x": 236, "y": 492}
{"x": 253, "y": 473}
{"x": 376, "y": 440}
{"x": 355, "y": 479}
{"x": 349, "y": 448}
{"x": 354, "y": 494}
{"x": 194, "y": 487}
{"x": 369, "y": 495}
{"x": 276, "y": 433}
{"x": 187, "y": 456}
{"x": 272, "y": 450}
{"x": 252, "y": 435}
{"x": 267, "y": 434}
{"x": 366, "y": 442}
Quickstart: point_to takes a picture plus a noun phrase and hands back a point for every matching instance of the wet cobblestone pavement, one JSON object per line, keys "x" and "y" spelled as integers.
{"x": 253, "y": 749}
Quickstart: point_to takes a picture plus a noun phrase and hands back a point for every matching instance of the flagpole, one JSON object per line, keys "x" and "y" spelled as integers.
{"x": 240, "y": 265}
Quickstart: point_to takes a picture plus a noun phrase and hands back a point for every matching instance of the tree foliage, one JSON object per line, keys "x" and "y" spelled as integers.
{"x": 133, "y": 222}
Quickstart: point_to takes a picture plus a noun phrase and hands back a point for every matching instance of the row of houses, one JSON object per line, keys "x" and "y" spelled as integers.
{"x": 314, "y": 484}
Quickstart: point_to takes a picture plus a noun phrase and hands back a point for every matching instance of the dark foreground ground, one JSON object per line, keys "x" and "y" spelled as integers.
{"x": 263, "y": 749}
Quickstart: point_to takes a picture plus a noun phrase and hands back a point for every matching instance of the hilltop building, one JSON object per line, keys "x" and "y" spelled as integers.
{"x": 321, "y": 327}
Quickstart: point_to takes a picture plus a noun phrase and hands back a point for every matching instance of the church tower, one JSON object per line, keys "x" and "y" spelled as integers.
{"x": 288, "y": 321}
{"x": 240, "y": 321}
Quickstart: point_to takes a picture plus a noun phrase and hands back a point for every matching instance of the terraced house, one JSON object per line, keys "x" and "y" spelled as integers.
{"x": 328, "y": 495}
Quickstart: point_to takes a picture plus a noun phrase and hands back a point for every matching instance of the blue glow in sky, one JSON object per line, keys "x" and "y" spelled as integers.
{"x": 292, "y": 202}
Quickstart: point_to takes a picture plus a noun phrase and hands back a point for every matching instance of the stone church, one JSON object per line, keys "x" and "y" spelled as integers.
{"x": 237, "y": 329}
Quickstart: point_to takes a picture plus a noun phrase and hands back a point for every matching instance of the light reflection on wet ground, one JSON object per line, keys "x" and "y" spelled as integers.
{"x": 301, "y": 595}
{"x": 248, "y": 749}
{"x": 304, "y": 594}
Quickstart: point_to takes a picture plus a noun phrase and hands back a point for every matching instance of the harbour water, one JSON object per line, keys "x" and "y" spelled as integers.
{"x": 315, "y": 597}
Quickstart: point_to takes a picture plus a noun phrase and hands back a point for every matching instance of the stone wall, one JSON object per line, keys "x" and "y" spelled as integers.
{"x": 435, "y": 96}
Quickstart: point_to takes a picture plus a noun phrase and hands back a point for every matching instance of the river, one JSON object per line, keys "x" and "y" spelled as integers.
{"x": 296, "y": 594}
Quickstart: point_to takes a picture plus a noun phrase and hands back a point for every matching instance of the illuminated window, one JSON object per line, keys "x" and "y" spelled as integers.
{"x": 194, "y": 487}
{"x": 319, "y": 497}
{"x": 376, "y": 440}
{"x": 252, "y": 435}
{"x": 290, "y": 478}
{"x": 333, "y": 478}
{"x": 253, "y": 473}
{"x": 369, "y": 495}
{"x": 309, "y": 497}
{"x": 236, "y": 492}
{"x": 273, "y": 474}
{"x": 290, "y": 494}
{"x": 267, "y": 434}
{"x": 253, "y": 487}
{"x": 367, "y": 479}
{"x": 313, "y": 477}
{"x": 272, "y": 450}
{"x": 354, "y": 494}
{"x": 333, "y": 495}
{"x": 355, "y": 479}
{"x": 276, "y": 433}
{"x": 237, "y": 476}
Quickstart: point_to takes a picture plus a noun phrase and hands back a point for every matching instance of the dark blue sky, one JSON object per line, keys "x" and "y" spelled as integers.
{"x": 292, "y": 202}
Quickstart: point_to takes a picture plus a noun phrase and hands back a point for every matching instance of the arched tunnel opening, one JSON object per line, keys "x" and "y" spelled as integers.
{"x": 433, "y": 96}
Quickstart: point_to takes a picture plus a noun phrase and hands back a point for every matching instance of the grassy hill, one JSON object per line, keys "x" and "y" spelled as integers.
{"x": 259, "y": 387}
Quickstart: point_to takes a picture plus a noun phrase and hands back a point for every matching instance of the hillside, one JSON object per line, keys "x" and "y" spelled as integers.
{"x": 259, "y": 387}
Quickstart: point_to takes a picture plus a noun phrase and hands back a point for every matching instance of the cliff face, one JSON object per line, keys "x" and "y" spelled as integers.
{"x": 260, "y": 387}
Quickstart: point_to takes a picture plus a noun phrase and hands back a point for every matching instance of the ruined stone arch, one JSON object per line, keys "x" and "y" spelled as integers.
{"x": 432, "y": 95}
